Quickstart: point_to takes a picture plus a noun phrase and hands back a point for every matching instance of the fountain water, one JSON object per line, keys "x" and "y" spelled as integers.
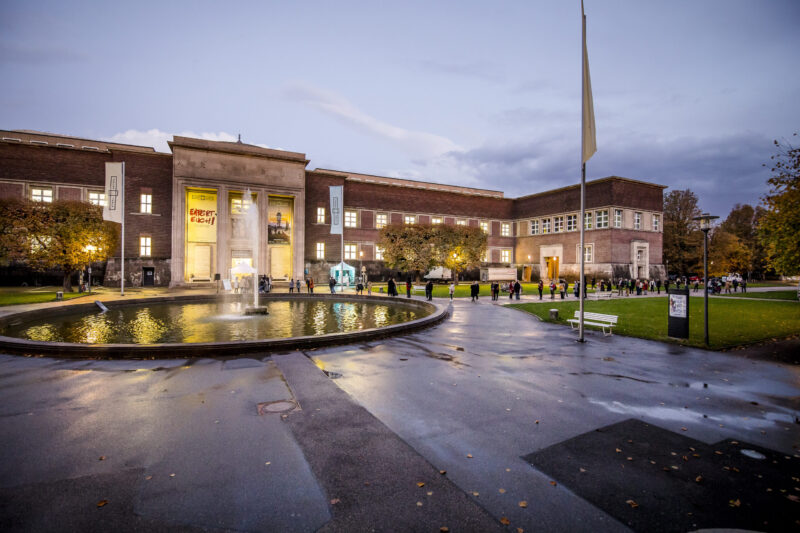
{"x": 253, "y": 225}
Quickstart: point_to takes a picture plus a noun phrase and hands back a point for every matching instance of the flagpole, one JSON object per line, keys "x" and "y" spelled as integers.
{"x": 122, "y": 280}
{"x": 588, "y": 148}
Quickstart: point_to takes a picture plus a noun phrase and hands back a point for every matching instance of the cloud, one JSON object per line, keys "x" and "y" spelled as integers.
{"x": 24, "y": 54}
{"x": 158, "y": 139}
{"x": 482, "y": 70}
{"x": 417, "y": 144}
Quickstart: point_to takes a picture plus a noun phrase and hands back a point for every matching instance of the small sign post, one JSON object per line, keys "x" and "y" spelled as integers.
{"x": 678, "y": 313}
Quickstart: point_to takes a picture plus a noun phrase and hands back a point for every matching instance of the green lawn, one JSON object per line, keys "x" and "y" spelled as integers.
{"x": 771, "y": 295}
{"x": 731, "y": 321}
{"x": 17, "y": 295}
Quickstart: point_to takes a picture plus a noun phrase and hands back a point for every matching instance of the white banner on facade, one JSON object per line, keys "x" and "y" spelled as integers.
{"x": 337, "y": 209}
{"x": 114, "y": 176}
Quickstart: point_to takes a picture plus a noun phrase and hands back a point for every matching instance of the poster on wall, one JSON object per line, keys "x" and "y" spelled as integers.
{"x": 201, "y": 216}
{"x": 280, "y": 220}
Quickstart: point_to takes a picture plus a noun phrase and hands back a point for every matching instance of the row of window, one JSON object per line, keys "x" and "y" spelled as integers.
{"x": 45, "y": 194}
{"x": 592, "y": 220}
{"x": 382, "y": 219}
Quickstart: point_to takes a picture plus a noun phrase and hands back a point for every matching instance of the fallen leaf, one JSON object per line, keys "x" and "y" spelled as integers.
{"x": 718, "y": 452}
{"x": 553, "y": 483}
{"x": 505, "y": 521}
{"x": 619, "y": 451}
{"x": 419, "y": 504}
{"x": 508, "y": 470}
{"x": 429, "y": 493}
{"x": 582, "y": 470}
{"x": 172, "y": 475}
{"x": 476, "y": 494}
{"x": 523, "y": 504}
{"x": 268, "y": 463}
{"x": 442, "y": 472}
{"x": 469, "y": 456}
{"x": 652, "y": 462}
{"x": 335, "y": 501}
{"x": 684, "y": 429}
{"x": 520, "y": 530}
{"x": 630, "y": 458}
{"x": 793, "y": 498}
{"x": 420, "y": 484}
{"x": 674, "y": 467}
{"x": 699, "y": 479}
{"x": 685, "y": 458}
{"x": 148, "y": 478}
{"x": 735, "y": 503}
{"x": 444, "y": 530}
{"x": 537, "y": 421}
{"x": 101, "y": 503}
{"x": 632, "y": 503}
{"x": 102, "y": 458}
{"x": 502, "y": 491}
{"x": 695, "y": 455}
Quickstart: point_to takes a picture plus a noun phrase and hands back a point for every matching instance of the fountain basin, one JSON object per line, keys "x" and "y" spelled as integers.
{"x": 149, "y": 319}
{"x": 260, "y": 310}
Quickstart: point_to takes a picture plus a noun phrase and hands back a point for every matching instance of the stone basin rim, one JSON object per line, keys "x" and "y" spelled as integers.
{"x": 71, "y": 350}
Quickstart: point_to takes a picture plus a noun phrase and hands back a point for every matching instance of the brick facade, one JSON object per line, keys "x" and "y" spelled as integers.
{"x": 74, "y": 171}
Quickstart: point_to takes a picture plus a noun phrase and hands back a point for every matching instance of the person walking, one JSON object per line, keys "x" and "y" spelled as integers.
{"x": 472, "y": 292}
{"x": 744, "y": 285}
{"x": 429, "y": 290}
{"x": 391, "y": 287}
{"x": 541, "y": 286}
{"x": 658, "y": 285}
{"x": 332, "y": 285}
{"x": 593, "y": 283}
{"x": 359, "y": 288}
{"x": 452, "y": 289}
{"x": 408, "y": 288}
{"x": 517, "y": 289}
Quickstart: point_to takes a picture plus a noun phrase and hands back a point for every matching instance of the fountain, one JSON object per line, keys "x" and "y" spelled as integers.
{"x": 253, "y": 225}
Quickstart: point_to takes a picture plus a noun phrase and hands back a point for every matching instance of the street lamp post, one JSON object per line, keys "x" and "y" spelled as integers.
{"x": 705, "y": 225}
{"x": 360, "y": 268}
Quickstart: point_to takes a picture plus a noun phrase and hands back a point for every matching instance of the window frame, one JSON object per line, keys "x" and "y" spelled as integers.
{"x": 505, "y": 229}
{"x": 378, "y": 253}
{"x": 411, "y": 218}
{"x": 618, "y": 218}
{"x": 100, "y": 200}
{"x": 381, "y": 220}
{"x": 505, "y": 255}
{"x": 350, "y": 251}
{"x": 546, "y": 226}
{"x": 572, "y": 222}
{"x": 656, "y": 222}
{"x": 535, "y": 227}
{"x": 601, "y": 219}
{"x": 350, "y": 218}
{"x": 320, "y": 215}
{"x": 558, "y": 224}
{"x": 588, "y": 220}
{"x": 484, "y": 226}
{"x": 145, "y": 246}
{"x": 437, "y": 220}
{"x": 320, "y": 251}
{"x": 146, "y": 203}
{"x": 637, "y": 220}
{"x": 42, "y": 197}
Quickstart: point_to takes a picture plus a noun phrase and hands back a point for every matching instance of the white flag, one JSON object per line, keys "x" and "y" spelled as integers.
{"x": 589, "y": 141}
{"x": 115, "y": 176}
{"x": 337, "y": 209}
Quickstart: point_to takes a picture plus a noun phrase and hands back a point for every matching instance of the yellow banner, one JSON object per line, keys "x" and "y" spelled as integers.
{"x": 201, "y": 216}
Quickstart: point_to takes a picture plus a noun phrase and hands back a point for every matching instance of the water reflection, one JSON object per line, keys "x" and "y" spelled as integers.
{"x": 210, "y": 322}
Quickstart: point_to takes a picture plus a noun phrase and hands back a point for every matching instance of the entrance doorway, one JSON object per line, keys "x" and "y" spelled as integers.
{"x": 148, "y": 276}
{"x": 551, "y": 267}
{"x": 526, "y": 273}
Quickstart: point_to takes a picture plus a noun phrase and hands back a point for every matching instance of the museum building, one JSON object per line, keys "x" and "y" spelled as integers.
{"x": 209, "y": 205}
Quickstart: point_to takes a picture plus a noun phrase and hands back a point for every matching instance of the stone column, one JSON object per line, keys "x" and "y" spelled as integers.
{"x": 298, "y": 237}
{"x": 178, "y": 233}
{"x": 223, "y": 233}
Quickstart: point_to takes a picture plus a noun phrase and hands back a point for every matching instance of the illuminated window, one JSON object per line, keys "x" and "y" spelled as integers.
{"x": 381, "y": 219}
{"x": 505, "y": 256}
{"x": 617, "y": 218}
{"x": 637, "y": 221}
{"x": 587, "y": 252}
{"x": 602, "y": 219}
{"x": 42, "y": 195}
{"x": 587, "y": 221}
{"x": 144, "y": 246}
{"x": 505, "y": 229}
{"x": 534, "y": 227}
{"x": 410, "y": 219}
{"x": 545, "y": 226}
{"x": 572, "y": 222}
{"x": 485, "y": 227}
{"x": 350, "y": 251}
{"x": 320, "y": 250}
{"x": 486, "y": 256}
{"x": 379, "y": 253}
{"x": 351, "y": 219}
{"x": 97, "y": 198}
{"x": 558, "y": 224}
{"x": 656, "y": 222}
{"x": 320, "y": 215}
{"x": 146, "y": 203}
{"x": 461, "y": 222}
{"x": 435, "y": 220}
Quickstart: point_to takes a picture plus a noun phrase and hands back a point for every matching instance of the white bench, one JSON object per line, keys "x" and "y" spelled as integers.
{"x": 595, "y": 319}
{"x": 601, "y": 294}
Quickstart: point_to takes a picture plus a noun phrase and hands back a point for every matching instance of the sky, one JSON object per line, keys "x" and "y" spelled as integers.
{"x": 687, "y": 93}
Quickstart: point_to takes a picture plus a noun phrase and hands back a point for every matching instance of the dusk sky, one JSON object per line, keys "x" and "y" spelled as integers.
{"x": 687, "y": 93}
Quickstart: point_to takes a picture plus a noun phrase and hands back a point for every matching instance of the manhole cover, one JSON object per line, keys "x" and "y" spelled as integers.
{"x": 281, "y": 406}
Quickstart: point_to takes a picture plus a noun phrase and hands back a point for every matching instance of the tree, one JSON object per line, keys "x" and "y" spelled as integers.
{"x": 407, "y": 247}
{"x": 727, "y": 254}
{"x": 683, "y": 241}
{"x": 459, "y": 247}
{"x": 779, "y": 228}
{"x": 63, "y": 235}
{"x": 420, "y": 247}
{"x": 742, "y": 222}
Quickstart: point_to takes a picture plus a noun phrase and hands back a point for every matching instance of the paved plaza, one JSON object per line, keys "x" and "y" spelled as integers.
{"x": 489, "y": 421}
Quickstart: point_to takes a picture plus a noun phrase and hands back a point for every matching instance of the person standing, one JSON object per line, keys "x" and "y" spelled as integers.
{"x": 658, "y": 285}
{"x": 472, "y": 291}
{"x": 744, "y": 284}
{"x": 391, "y": 287}
{"x": 452, "y": 289}
{"x": 593, "y": 283}
{"x": 291, "y": 286}
{"x": 297, "y": 285}
{"x": 563, "y": 288}
{"x": 541, "y": 286}
{"x": 429, "y": 290}
{"x": 408, "y": 288}
{"x": 517, "y": 289}
{"x": 332, "y": 285}
{"x": 369, "y": 288}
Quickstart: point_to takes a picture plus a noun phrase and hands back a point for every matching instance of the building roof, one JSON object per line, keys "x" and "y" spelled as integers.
{"x": 593, "y": 182}
{"x": 415, "y": 184}
{"x": 42, "y": 138}
{"x": 236, "y": 148}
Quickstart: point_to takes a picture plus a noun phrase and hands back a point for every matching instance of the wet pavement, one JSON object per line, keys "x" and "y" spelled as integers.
{"x": 473, "y": 397}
